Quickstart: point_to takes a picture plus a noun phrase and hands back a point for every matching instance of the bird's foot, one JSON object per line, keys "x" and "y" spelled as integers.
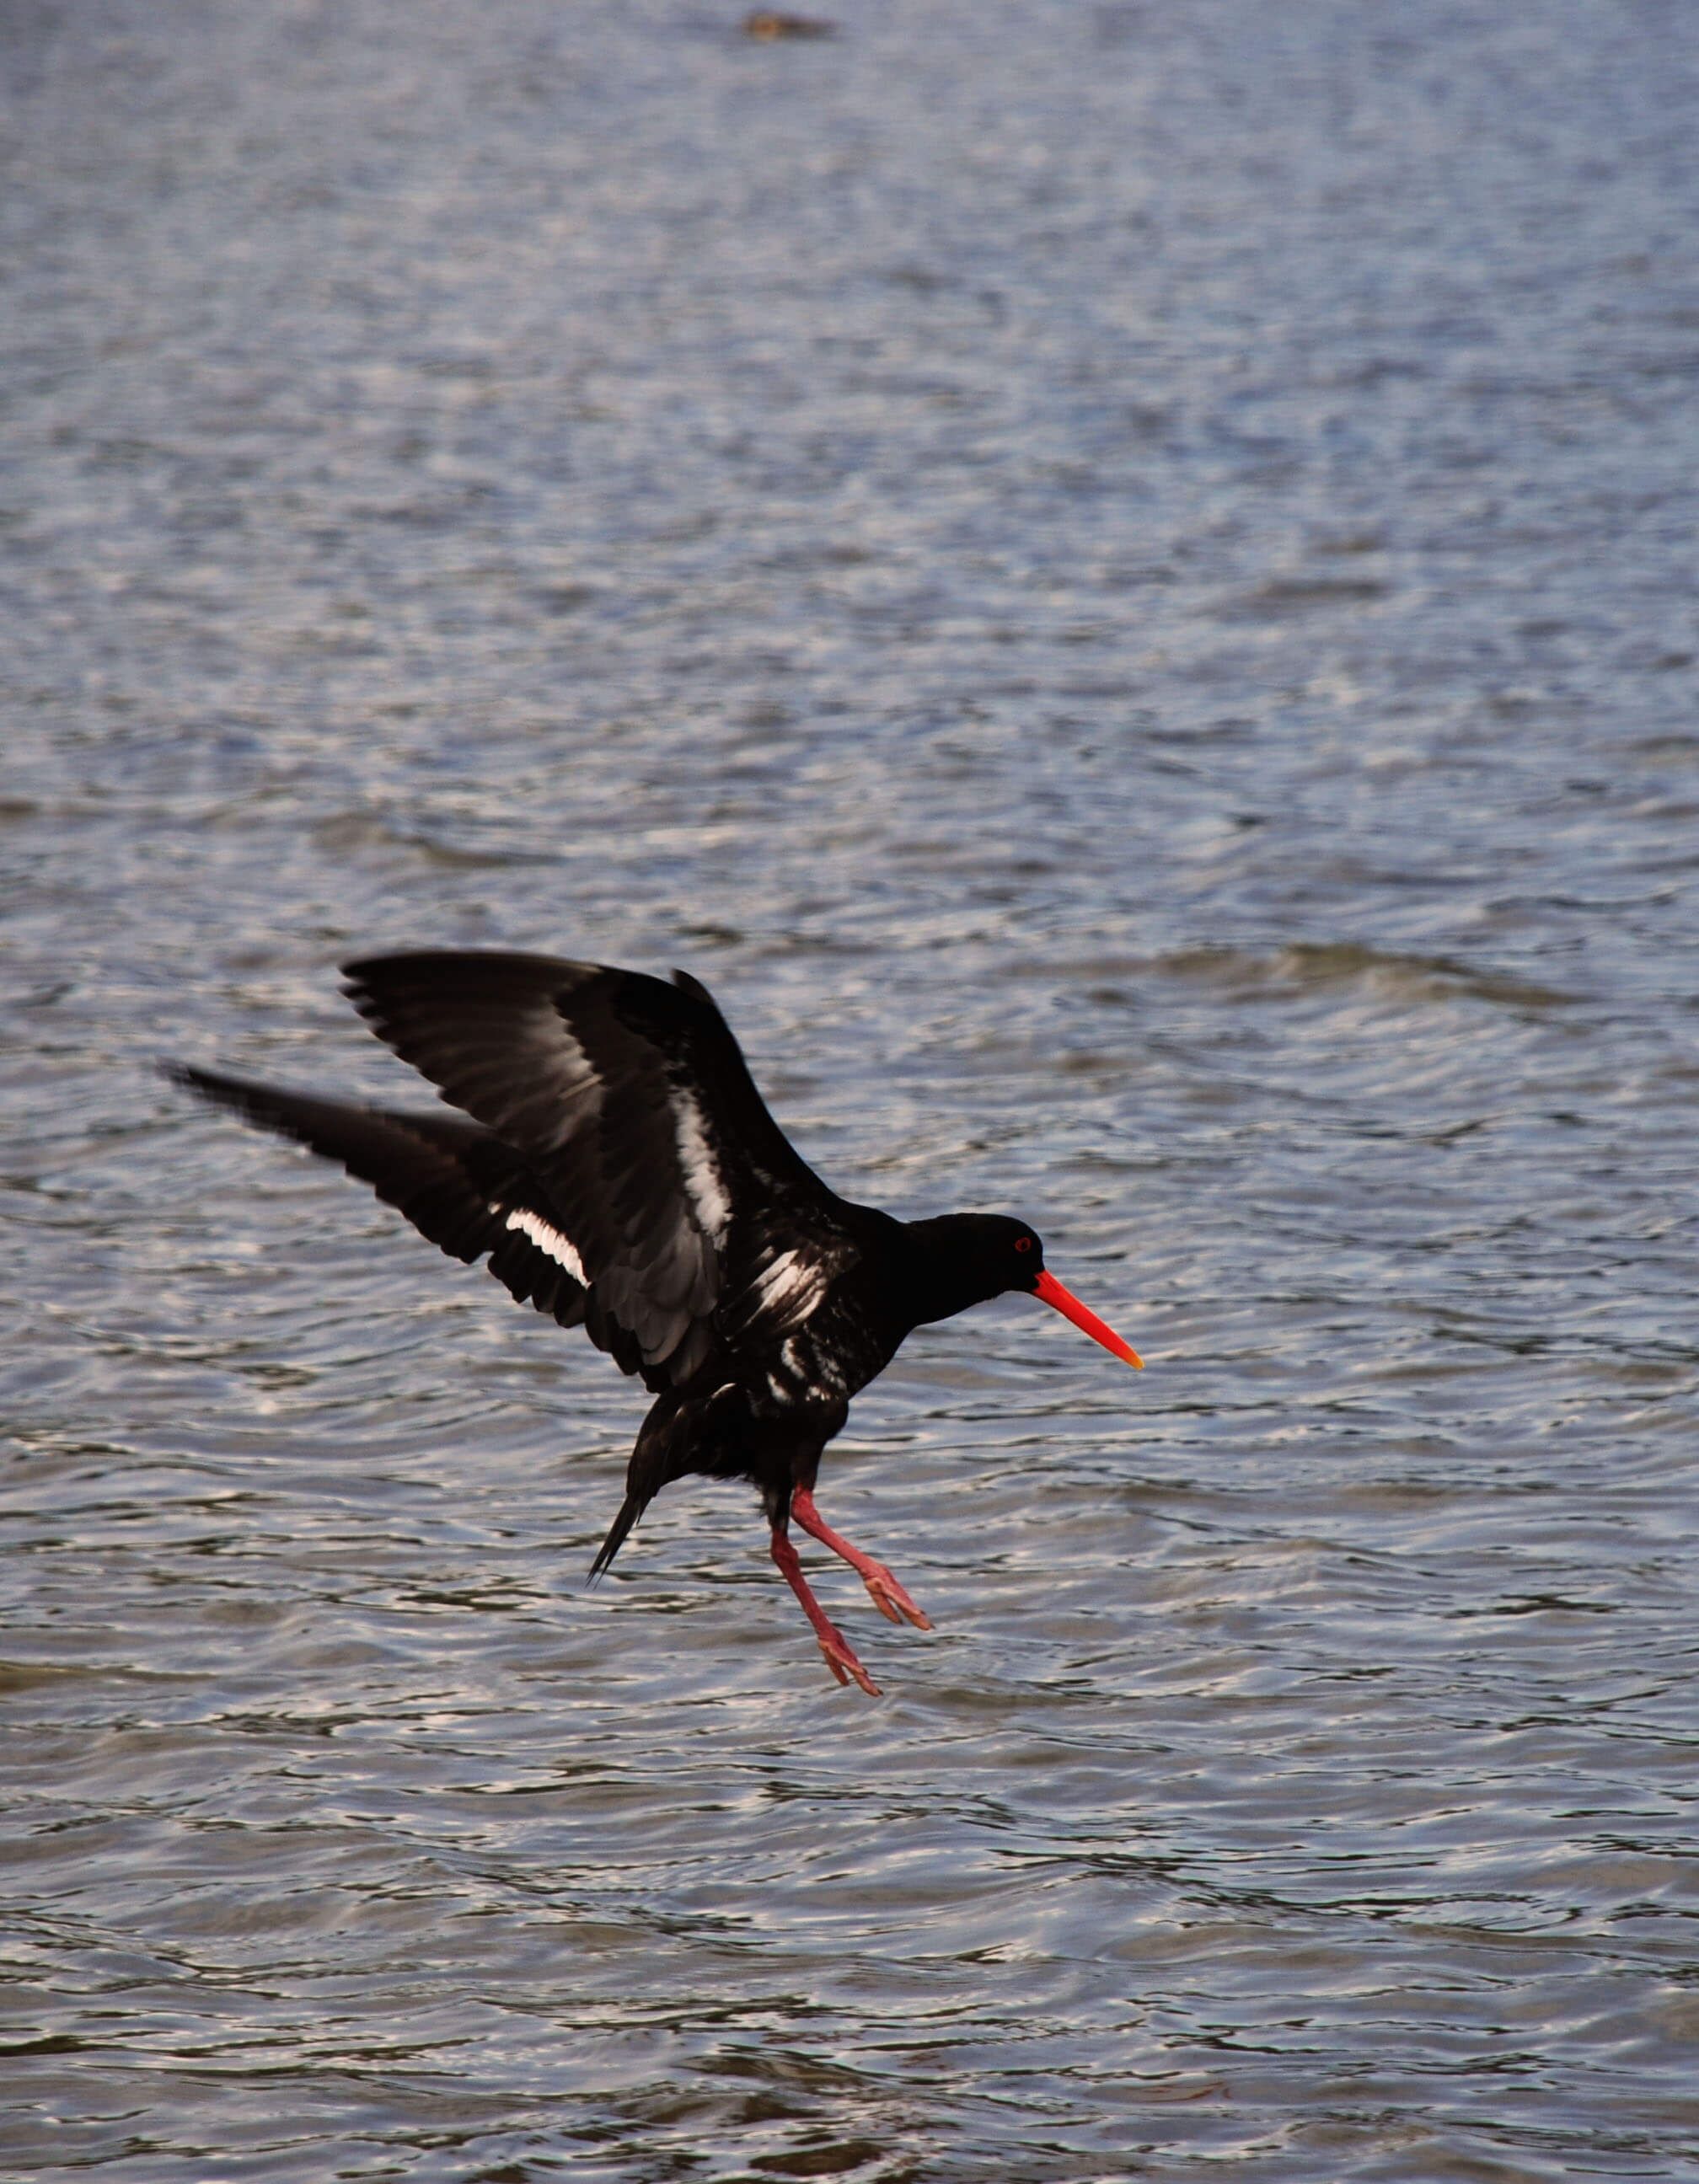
{"x": 839, "y": 1659}
{"x": 843, "y": 1662}
{"x": 890, "y": 1599}
{"x": 889, "y": 1596}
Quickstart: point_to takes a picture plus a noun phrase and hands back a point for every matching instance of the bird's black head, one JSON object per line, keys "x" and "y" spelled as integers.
{"x": 1013, "y": 1252}
{"x": 975, "y": 1256}
{"x": 967, "y": 1258}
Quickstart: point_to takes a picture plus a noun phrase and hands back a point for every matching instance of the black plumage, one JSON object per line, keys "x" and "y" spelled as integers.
{"x": 620, "y": 1170}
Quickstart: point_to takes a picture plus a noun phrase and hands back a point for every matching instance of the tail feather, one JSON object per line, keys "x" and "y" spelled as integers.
{"x": 705, "y": 1435}
{"x": 630, "y": 1510}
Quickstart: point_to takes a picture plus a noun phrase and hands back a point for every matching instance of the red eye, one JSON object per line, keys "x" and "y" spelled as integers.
{"x": 1023, "y": 1243}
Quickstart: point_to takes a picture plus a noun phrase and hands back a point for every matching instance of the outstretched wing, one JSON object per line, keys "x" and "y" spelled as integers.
{"x": 456, "y": 1181}
{"x": 629, "y": 1101}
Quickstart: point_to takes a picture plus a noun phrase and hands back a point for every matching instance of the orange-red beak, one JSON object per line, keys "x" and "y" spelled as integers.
{"x": 1052, "y": 1290}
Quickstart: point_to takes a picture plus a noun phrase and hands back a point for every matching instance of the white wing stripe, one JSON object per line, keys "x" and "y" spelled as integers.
{"x": 546, "y": 1240}
{"x": 791, "y": 1287}
{"x": 701, "y": 1176}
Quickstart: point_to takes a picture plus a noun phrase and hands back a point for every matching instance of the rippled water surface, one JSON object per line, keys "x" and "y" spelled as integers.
{"x": 1119, "y": 580}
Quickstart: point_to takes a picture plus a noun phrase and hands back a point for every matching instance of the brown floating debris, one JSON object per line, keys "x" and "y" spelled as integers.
{"x": 771, "y": 23}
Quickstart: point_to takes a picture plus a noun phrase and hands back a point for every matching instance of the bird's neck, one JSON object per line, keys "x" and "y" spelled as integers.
{"x": 947, "y": 1272}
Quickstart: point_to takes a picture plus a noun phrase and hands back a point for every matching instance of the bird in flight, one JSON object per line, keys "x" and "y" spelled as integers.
{"x": 615, "y": 1166}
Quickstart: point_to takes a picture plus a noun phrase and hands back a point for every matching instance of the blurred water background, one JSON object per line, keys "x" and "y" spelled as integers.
{"x": 1119, "y": 580}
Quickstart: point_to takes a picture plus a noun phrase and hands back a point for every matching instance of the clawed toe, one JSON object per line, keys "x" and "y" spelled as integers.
{"x": 844, "y": 1665}
{"x": 891, "y": 1600}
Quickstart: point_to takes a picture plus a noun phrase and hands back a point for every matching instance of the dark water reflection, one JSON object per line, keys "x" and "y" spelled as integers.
{"x": 1119, "y": 581}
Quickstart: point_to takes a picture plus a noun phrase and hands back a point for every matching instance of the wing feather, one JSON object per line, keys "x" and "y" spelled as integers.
{"x": 631, "y": 1101}
{"x": 457, "y": 1183}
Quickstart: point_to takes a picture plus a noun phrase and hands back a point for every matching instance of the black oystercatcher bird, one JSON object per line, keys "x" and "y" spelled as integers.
{"x": 622, "y": 1172}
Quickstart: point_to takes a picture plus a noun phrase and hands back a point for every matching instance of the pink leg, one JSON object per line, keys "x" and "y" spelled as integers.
{"x": 889, "y": 1596}
{"x": 839, "y": 1659}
